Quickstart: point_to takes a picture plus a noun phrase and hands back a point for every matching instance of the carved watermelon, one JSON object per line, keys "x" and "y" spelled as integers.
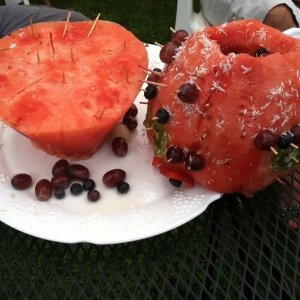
{"x": 67, "y": 87}
{"x": 226, "y": 86}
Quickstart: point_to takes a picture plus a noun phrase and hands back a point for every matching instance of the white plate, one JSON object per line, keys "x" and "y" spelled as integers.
{"x": 151, "y": 207}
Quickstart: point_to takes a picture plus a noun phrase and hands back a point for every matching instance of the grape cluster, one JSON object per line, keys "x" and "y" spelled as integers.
{"x": 266, "y": 139}
{"x": 63, "y": 176}
{"x": 192, "y": 160}
{"x": 168, "y": 51}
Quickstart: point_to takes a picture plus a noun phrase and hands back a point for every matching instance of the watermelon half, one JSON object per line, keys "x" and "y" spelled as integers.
{"x": 66, "y": 86}
{"x": 239, "y": 93}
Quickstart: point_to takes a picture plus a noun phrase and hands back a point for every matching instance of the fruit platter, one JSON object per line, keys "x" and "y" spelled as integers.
{"x": 150, "y": 207}
{"x": 106, "y": 140}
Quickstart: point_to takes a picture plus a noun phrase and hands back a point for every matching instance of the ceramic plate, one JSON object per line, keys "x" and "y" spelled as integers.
{"x": 151, "y": 207}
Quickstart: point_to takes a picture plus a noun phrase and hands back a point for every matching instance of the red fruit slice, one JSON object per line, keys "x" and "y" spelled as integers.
{"x": 67, "y": 93}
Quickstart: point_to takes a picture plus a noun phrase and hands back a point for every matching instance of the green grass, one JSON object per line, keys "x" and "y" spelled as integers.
{"x": 149, "y": 20}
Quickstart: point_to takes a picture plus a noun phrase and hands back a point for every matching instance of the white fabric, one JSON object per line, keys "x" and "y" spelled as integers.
{"x": 220, "y": 11}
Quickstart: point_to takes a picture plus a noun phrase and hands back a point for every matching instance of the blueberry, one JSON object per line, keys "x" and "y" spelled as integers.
{"x": 88, "y": 184}
{"x": 76, "y": 188}
{"x": 123, "y": 187}
{"x": 175, "y": 182}
{"x": 59, "y": 192}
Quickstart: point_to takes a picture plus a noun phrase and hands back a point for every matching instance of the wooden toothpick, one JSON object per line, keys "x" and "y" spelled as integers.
{"x": 31, "y": 26}
{"x": 280, "y": 181}
{"x": 158, "y": 44}
{"x": 172, "y": 29}
{"x": 294, "y": 146}
{"x": 154, "y": 83}
{"x": 93, "y": 26}
{"x": 149, "y": 70}
{"x": 273, "y": 150}
{"x": 66, "y": 24}
{"x": 72, "y": 55}
{"x": 63, "y": 77}
{"x": 38, "y": 57}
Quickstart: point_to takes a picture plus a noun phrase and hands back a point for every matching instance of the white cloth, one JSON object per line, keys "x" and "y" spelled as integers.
{"x": 221, "y": 11}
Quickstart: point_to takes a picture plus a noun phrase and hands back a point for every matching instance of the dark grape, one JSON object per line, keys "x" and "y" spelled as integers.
{"x": 162, "y": 116}
{"x": 76, "y": 189}
{"x": 175, "y": 154}
{"x": 21, "y": 181}
{"x": 78, "y": 171}
{"x": 265, "y": 139}
{"x": 187, "y": 92}
{"x": 43, "y": 189}
{"x": 113, "y": 177}
{"x": 130, "y": 122}
{"x": 123, "y": 187}
{"x": 167, "y": 52}
{"x": 88, "y": 184}
{"x": 60, "y": 167}
{"x": 59, "y": 192}
{"x": 179, "y": 37}
{"x": 194, "y": 161}
{"x": 150, "y": 91}
{"x": 295, "y": 131}
{"x": 284, "y": 141}
{"x": 132, "y": 111}
{"x": 175, "y": 182}
{"x": 261, "y": 52}
{"x": 93, "y": 195}
{"x": 119, "y": 146}
{"x": 61, "y": 180}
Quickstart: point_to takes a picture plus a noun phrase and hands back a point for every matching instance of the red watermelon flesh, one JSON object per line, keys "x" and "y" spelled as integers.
{"x": 239, "y": 95}
{"x": 67, "y": 92}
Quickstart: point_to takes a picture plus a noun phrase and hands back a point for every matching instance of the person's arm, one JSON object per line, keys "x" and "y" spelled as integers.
{"x": 281, "y": 17}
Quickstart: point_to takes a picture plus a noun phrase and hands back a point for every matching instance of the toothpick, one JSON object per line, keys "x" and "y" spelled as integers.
{"x": 172, "y": 29}
{"x": 94, "y": 25}
{"x": 294, "y": 146}
{"x": 63, "y": 77}
{"x": 31, "y": 26}
{"x": 52, "y": 44}
{"x": 151, "y": 71}
{"x": 153, "y": 83}
{"x": 158, "y": 44}
{"x": 66, "y": 24}
{"x": 273, "y": 150}
{"x": 280, "y": 181}
{"x": 72, "y": 55}
{"x": 38, "y": 57}
{"x": 100, "y": 113}
{"x": 295, "y": 159}
{"x": 147, "y": 129}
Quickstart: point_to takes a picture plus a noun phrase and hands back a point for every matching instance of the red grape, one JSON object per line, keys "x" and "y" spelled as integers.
{"x": 43, "y": 189}
{"x": 188, "y": 93}
{"x": 21, "y": 181}
{"x": 179, "y": 37}
{"x": 167, "y": 52}
{"x": 265, "y": 139}
{"x": 113, "y": 177}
